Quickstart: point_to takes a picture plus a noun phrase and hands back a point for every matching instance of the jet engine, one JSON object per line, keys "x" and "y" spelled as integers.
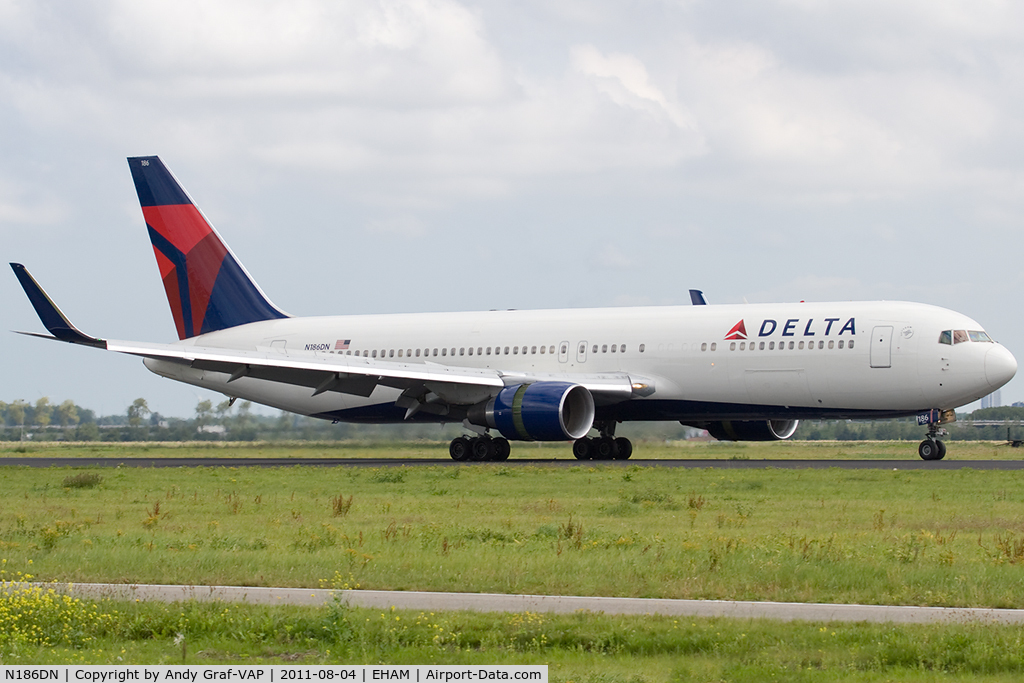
{"x": 541, "y": 411}
{"x": 742, "y": 430}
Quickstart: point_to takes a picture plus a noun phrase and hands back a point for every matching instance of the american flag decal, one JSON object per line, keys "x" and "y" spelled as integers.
{"x": 341, "y": 344}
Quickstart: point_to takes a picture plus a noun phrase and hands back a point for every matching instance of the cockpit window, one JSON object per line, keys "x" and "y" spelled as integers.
{"x": 961, "y": 336}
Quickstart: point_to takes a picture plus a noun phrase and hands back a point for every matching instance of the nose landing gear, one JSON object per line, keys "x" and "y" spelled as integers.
{"x": 932, "y": 448}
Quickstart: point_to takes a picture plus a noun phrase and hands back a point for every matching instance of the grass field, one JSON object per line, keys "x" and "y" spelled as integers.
{"x": 872, "y": 536}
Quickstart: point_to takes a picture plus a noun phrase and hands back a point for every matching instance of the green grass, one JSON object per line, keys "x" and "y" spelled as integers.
{"x": 647, "y": 450}
{"x": 578, "y": 647}
{"x": 950, "y": 538}
{"x": 873, "y": 536}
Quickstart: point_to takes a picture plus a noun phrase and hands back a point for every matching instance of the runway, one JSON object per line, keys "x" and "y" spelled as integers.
{"x": 908, "y": 464}
{"x": 563, "y": 604}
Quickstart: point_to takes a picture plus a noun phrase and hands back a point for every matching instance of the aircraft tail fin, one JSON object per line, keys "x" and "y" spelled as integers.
{"x": 207, "y": 288}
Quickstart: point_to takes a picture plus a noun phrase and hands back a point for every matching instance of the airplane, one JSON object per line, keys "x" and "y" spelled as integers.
{"x": 745, "y": 372}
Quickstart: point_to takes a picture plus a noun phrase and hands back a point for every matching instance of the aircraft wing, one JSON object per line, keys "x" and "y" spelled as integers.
{"x": 428, "y": 386}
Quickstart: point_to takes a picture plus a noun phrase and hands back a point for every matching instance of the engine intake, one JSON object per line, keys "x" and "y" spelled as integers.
{"x": 741, "y": 430}
{"x": 542, "y": 411}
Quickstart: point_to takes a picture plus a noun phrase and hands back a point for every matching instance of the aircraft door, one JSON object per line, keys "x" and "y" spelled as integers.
{"x": 881, "y": 346}
{"x": 563, "y": 352}
{"x": 581, "y": 352}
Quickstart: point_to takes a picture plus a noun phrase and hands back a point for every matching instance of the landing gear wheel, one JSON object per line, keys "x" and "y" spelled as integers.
{"x": 625, "y": 448}
{"x": 482, "y": 448}
{"x": 942, "y": 449}
{"x": 459, "y": 449}
{"x": 605, "y": 447}
{"x": 502, "y": 448}
{"x": 583, "y": 448}
{"x": 929, "y": 450}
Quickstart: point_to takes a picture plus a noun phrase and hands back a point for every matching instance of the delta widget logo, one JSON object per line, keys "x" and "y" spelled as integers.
{"x": 738, "y": 331}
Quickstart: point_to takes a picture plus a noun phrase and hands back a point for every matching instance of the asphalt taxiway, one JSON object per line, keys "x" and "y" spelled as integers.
{"x": 908, "y": 464}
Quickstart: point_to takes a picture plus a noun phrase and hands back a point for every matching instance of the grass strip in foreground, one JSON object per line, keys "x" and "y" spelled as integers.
{"x": 40, "y": 627}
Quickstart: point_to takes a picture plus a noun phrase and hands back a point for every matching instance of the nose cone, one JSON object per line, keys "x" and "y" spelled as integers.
{"x": 1000, "y": 366}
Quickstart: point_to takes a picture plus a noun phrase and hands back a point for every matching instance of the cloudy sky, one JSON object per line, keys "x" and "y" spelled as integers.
{"x": 434, "y": 155}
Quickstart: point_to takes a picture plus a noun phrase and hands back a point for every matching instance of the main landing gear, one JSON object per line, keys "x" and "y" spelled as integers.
{"x": 604, "y": 447}
{"x": 479, "y": 448}
{"x": 932, "y": 448}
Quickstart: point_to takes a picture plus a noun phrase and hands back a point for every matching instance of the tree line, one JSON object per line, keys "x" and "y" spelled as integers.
{"x": 44, "y": 420}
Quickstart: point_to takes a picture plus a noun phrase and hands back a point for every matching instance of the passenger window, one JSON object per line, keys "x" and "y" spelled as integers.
{"x": 946, "y": 337}
{"x": 732, "y": 346}
{"x": 743, "y": 346}
{"x": 821, "y": 344}
{"x": 543, "y": 349}
{"x": 771, "y": 346}
{"x": 488, "y": 350}
{"x": 704, "y": 346}
{"x": 462, "y": 351}
{"x": 408, "y": 352}
{"x": 850, "y": 345}
{"x": 714, "y": 346}
{"x": 515, "y": 350}
{"x": 435, "y": 353}
{"x": 399, "y": 353}
{"x": 831, "y": 343}
{"x": 391, "y": 354}
{"x": 642, "y": 347}
{"x": 761, "y": 346}
{"x": 417, "y": 353}
{"x": 840, "y": 343}
{"x": 444, "y": 352}
{"x": 375, "y": 353}
{"x": 959, "y": 336}
{"x": 604, "y": 348}
{"x": 595, "y": 349}
{"x": 480, "y": 351}
{"x": 533, "y": 349}
{"x": 622, "y": 348}
{"x": 800, "y": 345}
{"x": 453, "y": 350}
{"x": 470, "y": 351}
{"x": 551, "y": 349}
{"x": 506, "y": 351}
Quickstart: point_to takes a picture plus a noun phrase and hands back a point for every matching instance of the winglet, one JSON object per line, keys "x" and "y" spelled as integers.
{"x": 697, "y": 298}
{"x": 51, "y": 316}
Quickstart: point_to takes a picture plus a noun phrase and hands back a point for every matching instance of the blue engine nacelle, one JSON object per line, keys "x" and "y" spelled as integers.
{"x": 739, "y": 430}
{"x": 542, "y": 411}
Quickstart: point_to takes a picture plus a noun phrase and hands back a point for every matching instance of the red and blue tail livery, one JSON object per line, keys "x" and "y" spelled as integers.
{"x": 207, "y": 288}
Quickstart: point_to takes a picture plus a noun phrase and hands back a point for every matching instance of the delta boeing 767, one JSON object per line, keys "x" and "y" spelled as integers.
{"x": 742, "y": 372}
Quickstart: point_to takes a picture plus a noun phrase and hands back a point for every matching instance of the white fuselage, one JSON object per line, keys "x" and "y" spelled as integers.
{"x": 852, "y": 359}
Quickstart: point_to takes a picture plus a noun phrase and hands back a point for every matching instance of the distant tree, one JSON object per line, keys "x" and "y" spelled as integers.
{"x": 204, "y": 410}
{"x": 43, "y": 411}
{"x": 87, "y": 432}
{"x": 137, "y": 411}
{"x": 222, "y": 410}
{"x": 16, "y": 413}
{"x": 66, "y": 413}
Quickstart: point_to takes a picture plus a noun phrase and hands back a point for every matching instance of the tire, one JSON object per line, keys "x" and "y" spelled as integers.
{"x": 583, "y": 448}
{"x": 942, "y": 449}
{"x": 625, "y": 448}
{"x": 482, "y": 449}
{"x": 502, "y": 448}
{"x": 605, "y": 447}
{"x": 459, "y": 449}
{"x": 928, "y": 450}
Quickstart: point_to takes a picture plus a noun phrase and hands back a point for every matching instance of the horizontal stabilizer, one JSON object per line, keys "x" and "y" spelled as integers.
{"x": 51, "y": 316}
